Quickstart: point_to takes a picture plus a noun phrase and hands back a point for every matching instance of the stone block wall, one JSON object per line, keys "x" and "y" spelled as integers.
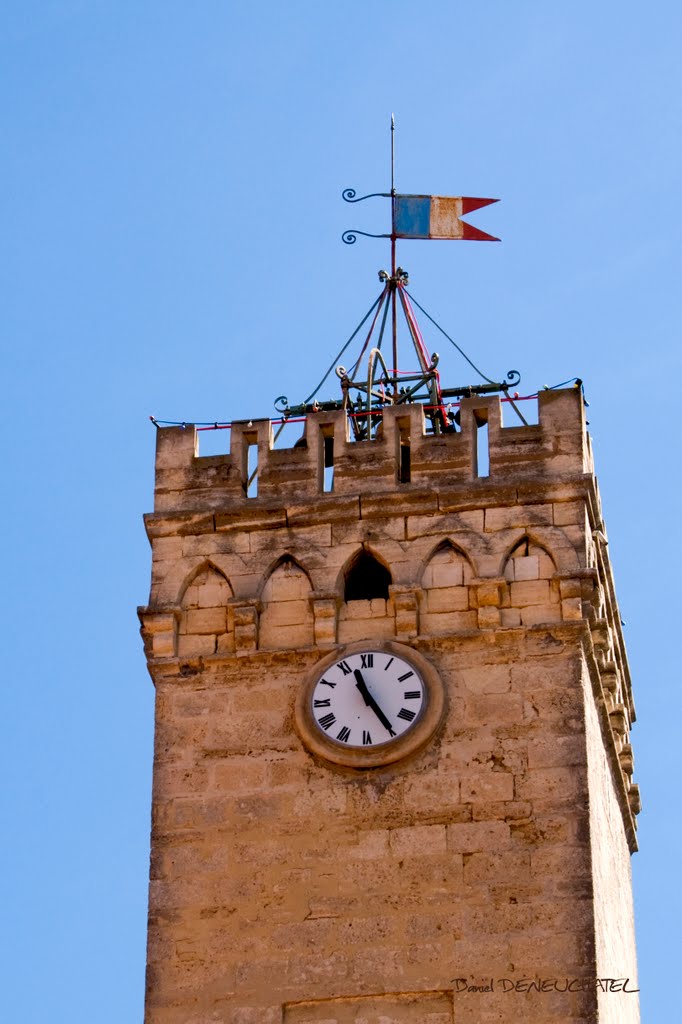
{"x": 287, "y": 890}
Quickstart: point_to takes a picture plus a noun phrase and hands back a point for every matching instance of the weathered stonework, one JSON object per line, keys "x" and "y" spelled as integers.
{"x": 287, "y": 891}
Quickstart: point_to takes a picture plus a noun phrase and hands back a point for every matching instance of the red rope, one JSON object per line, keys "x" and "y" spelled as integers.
{"x": 355, "y": 415}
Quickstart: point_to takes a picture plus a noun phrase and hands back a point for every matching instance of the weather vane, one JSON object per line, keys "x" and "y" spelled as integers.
{"x": 365, "y": 397}
{"x": 418, "y": 216}
{"x": 412, "y": 216}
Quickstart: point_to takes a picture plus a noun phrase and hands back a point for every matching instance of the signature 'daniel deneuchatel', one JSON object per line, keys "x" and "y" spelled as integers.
{"x": 522, "y": 985}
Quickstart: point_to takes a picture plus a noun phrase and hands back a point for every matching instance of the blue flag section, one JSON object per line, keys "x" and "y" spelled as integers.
{"x": 438, "y": 217}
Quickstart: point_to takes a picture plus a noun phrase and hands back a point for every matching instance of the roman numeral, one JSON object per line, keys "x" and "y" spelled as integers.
{"x": 366, "y": 738}
{"x": 406, "y": 714}
{"x": 344, "y": 734}
{"x": 389, "y": 662}
{"x": 327, "y": 720}
{"x": 401, "y": 679}
{"x": 412, "y": 694}
{"x": 325, "y": 682}
{"x": 345, "y": 667}
{"x": 367, "y": 660}
{"x": 320, "y": 703}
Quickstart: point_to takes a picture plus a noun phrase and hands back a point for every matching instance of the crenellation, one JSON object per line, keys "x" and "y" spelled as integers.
{"x": 186, "y": 480}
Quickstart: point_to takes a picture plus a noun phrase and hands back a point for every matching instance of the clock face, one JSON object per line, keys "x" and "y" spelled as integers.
{"x": 367, "y": 699}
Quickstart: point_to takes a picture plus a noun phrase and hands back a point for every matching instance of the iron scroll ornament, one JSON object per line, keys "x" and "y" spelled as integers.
{"x": 349, "y": 194}
{"x": 350, "y": 237}
{"x": 513, "y": 378}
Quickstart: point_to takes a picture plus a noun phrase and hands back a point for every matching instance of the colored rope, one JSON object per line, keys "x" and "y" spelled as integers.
{"x": 301, "y": 419}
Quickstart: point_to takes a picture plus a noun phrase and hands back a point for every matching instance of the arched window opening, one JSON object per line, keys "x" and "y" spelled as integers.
{"x": 366, "y": 579}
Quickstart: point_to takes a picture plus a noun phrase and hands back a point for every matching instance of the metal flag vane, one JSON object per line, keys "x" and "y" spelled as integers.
{"x": 412, "y": 216}
{"x": 421, "y": 216}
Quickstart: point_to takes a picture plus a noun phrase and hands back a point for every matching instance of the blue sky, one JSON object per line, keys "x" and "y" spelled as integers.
{"x": 171, "y": 217}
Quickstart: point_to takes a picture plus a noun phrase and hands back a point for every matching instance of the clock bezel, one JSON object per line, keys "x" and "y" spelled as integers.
{"x": 408, "y": 743}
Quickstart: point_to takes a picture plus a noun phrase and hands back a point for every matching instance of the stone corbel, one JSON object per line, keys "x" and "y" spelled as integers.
{"x": 634, "y": 798}
{"x": 609, "y": 679}
{"x": 580, "y": 595}
{"x": 627, "y": 761}
{"x": 158, "y": 631}
{"x": 489, "y": 595}
{"x": 602, "y": 640}
{"x": 245, "y": 614}
{"x": 619, "y": 721}
{"x": 325, "y": 609}
{"x": 405, "y": 602}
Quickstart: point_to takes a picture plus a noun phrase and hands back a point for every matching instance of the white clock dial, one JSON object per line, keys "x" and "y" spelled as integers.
{"x": 367, "y": 699}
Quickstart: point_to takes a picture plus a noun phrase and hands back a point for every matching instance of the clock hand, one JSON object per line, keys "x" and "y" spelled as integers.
{"x": 371, "y": 703}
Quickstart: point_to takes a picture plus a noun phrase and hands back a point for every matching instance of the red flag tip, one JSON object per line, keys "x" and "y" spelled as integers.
{"x": 469, "y": 204}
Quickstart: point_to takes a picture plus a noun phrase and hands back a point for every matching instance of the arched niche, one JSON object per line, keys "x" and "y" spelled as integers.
{"x": 286, "y": 619}
{"x": 447, "y": 600}
{"x": 366, "y": 612}
{"x": 533, "y": 593}
{"x": 528, "y": 560}
{"x": 204, "y": 626}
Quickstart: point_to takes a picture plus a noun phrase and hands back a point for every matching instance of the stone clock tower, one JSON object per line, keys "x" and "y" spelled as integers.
{"x": 392, "y": 770}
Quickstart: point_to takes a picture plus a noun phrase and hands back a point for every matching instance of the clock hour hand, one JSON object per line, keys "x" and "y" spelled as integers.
{"x": 371, "y": 703}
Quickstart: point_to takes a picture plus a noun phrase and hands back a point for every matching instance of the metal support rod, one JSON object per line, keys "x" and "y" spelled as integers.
{"x": 392, "y": 154}
{"x": 516, "y": 409}
{"x": 415, "y": 340}
{"x": 474, "y": 389}
{"x": 373, "y": 356}
{"x": 394, "y": 316}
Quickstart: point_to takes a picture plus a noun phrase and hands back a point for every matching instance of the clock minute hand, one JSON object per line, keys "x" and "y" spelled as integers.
{"x": 371, "y": 703}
